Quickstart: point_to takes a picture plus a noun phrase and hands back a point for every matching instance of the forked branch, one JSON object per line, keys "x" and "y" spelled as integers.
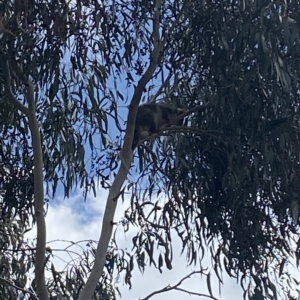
{"x": 177, "y": 288}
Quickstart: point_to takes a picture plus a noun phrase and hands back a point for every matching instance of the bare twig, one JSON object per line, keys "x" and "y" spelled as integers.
{"x": 164, "y": 84}
{"x": 195, "y": 294}
{"x": 176, "y": 287}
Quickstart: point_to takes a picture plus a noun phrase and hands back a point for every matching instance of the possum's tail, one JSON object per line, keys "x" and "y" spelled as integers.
{"x": 135, "y": 140}
{"x": 134, "y": 143}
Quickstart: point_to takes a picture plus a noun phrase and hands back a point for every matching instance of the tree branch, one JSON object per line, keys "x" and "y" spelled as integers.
{"x": 2, "y": 28}
{"x": 195, "y": 294}
{"x": 12, "y": 99}
{"x": 38, "y": 170}
{"x": 126, "y": 153}
{"x": 176, "y": 287}
{"x": 164, "y": 84}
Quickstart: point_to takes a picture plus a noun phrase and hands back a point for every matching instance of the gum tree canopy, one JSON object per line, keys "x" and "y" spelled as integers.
{"x": 226, "y": 183}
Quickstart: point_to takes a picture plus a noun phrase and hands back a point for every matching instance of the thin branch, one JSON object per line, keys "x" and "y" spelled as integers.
{"x": 2, "y": 28}
{"x": 195, "y": 294}
{"x": 156, "y": 226}
{"x": 27, "y": 82}
{"x": 198, "y": 108}
{"x": 176, "y": 287}
{"x": 177, "y": 129}
{"x": 185, "y": 129}
{"x": 7, "y": 83}
{"x": 164, "y": 84}
{"x": 19, "y": 288}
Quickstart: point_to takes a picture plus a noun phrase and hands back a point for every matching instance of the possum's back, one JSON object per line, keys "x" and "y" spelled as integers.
{"x": 145, "y": 114}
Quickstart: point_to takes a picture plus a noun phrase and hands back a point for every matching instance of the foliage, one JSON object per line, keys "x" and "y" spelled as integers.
{"x": 231, "y": 173}
{"x": 234, "y": 174}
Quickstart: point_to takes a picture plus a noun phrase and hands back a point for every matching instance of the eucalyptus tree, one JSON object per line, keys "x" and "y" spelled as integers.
{"x": 229, "y": 176}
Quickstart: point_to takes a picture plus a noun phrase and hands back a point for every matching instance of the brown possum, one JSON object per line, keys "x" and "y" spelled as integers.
{"x": 152, "y": 117}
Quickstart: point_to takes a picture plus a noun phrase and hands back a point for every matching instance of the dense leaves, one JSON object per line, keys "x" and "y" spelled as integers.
{"x": 234, "y": 175}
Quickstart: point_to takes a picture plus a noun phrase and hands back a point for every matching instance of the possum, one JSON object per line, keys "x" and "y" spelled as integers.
{"x": 153, "y": 118}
